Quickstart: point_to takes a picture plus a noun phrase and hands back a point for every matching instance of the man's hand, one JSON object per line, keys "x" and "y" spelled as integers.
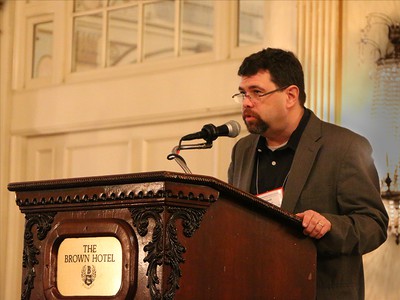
{"x": 315, "y": 225}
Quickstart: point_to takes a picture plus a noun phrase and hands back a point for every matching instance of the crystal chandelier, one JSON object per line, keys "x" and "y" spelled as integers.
{"x": 385, "y": 50}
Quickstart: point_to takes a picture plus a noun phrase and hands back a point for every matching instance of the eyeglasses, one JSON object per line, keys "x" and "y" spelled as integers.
{"x": 254, "y": 95}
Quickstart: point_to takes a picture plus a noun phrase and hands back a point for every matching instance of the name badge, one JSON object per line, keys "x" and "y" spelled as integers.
{"x": 274, "y": 197}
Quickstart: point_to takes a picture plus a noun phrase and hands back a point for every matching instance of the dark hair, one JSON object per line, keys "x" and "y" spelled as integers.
{"x": 284, "y": 67}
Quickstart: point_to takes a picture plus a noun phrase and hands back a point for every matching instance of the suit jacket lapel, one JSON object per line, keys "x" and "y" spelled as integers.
{"x": 303, "y": 161}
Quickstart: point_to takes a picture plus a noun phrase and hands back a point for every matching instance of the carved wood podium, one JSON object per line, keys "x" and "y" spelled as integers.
{"x": 159, "y": 235}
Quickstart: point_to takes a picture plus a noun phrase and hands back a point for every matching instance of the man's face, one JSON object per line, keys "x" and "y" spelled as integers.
{"x": 265, "y": 113}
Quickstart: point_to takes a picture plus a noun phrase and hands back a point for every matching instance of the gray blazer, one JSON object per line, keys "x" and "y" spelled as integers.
{"x": 332, "y": 173}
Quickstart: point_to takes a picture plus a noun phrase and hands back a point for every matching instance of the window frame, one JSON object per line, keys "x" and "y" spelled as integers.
{"x": 225, "y": 32}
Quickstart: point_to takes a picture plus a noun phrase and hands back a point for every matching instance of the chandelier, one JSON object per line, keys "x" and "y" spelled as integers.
{"x": 381, "y": 41}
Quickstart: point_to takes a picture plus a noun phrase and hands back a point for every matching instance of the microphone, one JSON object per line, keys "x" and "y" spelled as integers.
{"x": 210, "y": 132}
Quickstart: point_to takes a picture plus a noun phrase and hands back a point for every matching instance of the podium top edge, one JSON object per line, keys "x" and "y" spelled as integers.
{"x": 97, "y": 180}
{"x": 167, "y": 176}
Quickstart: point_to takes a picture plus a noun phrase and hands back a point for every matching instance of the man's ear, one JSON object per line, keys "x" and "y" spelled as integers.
{"x": 292, "y": 93}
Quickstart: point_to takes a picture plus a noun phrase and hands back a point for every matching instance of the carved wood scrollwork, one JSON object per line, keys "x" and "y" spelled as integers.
{"x": 166, "y": 252}
{"x": 43, "y": 223}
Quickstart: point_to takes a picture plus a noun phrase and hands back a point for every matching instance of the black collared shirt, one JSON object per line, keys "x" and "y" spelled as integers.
{"x": 272, "y": 168}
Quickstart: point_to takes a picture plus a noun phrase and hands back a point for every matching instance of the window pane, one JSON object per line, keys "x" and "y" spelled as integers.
{"x": 197, "y": 26}
{"x": 122, "y": 36}
{"x": 87, "y": 42}
{"x": 119, "y": 2}
{"x": 158, "y": 35}
{"x": 42, "y": 50}
{"x": 85, "y": 5}
{"x": 251, "y": 22}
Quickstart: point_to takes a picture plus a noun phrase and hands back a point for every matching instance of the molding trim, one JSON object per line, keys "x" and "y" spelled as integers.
{"x": 203, "y": 113}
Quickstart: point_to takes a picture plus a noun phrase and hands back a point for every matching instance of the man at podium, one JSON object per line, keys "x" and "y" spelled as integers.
{"x": 321, "y": 172}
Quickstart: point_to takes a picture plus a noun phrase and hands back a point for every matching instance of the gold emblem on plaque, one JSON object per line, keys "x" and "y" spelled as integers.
{"x": 88, "y": 275}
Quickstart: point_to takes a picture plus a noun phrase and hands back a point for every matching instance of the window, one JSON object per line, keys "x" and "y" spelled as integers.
{"x": 117, "y": 32}
{"x": 39, "y": 51}
{"x": 42, "y": 50}
{"x": 56, "y": 39}
{"x": 250, "y": 22}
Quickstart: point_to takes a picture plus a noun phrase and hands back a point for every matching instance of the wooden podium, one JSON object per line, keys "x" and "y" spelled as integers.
{"x": 159, "y": 235}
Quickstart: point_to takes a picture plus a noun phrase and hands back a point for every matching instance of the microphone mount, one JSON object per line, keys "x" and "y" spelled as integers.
{"x": 209, "y": 133}
{"x": 180, "y": 160}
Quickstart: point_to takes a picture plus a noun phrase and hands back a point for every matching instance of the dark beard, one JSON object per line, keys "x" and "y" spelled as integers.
{"x": 257, "y": 127}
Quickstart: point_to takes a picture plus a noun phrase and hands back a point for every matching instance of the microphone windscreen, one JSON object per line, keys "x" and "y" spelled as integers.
{"x": 233, "y": 127}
